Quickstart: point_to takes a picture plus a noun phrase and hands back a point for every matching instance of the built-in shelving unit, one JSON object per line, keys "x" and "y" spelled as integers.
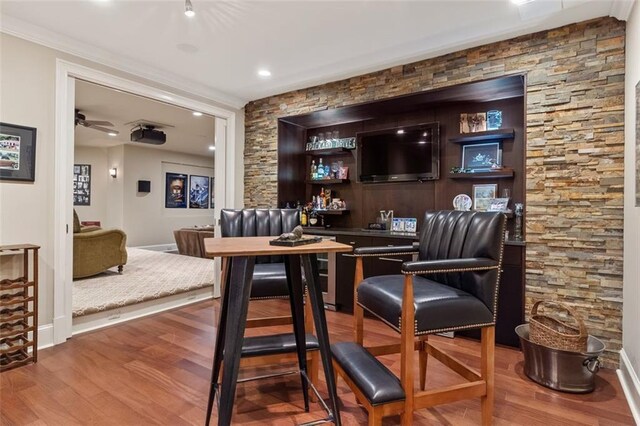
{"x": 491, "y": 135}
{"x": 503, "y": 173}
{"x": 329, "y": 151}
{"x": 19, "y": 311}
{"x": 326, "y": 181}
{"x": 332, "y": 212}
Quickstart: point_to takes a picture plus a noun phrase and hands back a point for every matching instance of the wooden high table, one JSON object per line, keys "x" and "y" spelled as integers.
{"x": 239, "y": 254}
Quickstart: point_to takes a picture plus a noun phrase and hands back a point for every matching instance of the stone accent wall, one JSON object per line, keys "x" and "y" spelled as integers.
{"x": 575, "y": 146}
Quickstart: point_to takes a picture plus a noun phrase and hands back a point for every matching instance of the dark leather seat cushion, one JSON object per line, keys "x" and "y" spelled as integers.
{"x": 275, "y": 344}
{"x": 437, "y": 306}
{"x": 378, "y": 384}
{"x": 269, "y": 281}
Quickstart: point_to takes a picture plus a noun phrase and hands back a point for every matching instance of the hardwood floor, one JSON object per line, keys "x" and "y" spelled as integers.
{"x": 156, "y": 370}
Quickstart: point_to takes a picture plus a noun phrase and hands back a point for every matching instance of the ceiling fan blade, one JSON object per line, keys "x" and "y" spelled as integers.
{"x": 98, "y": 123}
{"x": 103, "y": 129}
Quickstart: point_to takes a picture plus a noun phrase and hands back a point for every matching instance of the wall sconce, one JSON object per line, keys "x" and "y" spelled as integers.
{"x": 113, "y": 172}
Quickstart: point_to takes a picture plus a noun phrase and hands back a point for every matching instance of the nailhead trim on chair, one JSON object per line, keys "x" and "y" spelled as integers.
{"x": 444, "y": 271}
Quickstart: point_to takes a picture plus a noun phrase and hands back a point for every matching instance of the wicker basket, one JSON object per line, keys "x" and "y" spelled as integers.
{"x": 552, "y": 333}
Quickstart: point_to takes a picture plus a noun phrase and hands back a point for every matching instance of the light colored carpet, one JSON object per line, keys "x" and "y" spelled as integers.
{"x": 147, "y": 275}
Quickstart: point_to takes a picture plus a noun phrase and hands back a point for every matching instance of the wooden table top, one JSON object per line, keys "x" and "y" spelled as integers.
{"x": 259, "y": 246}
{"x": 10, "y": 247}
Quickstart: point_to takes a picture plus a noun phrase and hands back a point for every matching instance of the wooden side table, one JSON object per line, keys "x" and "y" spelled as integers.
{"x": 19, "y": 311}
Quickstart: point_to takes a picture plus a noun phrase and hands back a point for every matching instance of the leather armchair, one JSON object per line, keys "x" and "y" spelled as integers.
{"x": 95, "y": 250}
{"x": 452, "y": 286}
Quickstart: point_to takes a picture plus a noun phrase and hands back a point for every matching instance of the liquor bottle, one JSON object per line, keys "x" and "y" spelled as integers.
{"x": 313, "y": 218}
{"x": 314, "y": 170}
{"x": 320, "y": 170}
{"x": 323, "y": 199}
{"x": 303, "y": 218}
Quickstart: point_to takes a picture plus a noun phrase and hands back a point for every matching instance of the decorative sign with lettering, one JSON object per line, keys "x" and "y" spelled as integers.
{"x": 315, "y": 145}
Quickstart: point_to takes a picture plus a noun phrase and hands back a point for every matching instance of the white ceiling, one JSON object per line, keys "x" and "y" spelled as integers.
{"x": 189, "y": 134}
{"x": 218, "y": 52}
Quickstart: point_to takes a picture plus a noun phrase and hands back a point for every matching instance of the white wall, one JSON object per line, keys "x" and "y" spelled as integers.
{"x": 27, "y": 79}
{"x": 631, "y": 295}
{"x": 146, "y": 220}
{"x": 97, "y": 158}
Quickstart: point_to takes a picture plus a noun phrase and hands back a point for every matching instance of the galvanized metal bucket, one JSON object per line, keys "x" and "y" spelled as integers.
{"x": 560, "y": 370}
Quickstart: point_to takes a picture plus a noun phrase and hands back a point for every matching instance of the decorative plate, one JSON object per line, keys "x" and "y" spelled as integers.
{"x": 462, "y": 202}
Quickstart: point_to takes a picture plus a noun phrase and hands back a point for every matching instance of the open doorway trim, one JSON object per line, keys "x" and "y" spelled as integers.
{"x": 66, "y": 73}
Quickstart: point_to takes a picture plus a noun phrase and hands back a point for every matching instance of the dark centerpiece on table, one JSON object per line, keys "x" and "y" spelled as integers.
{"x": 294, "y": 238}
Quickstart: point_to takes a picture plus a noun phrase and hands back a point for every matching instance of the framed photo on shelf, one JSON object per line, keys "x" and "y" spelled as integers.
{"x": 82, "y": 184}
{"x": 198, "y": 192}
{"x": 481, "y": 157}
{"x": 17, "y": 152}
{"x": 482, "y": 196}
{"x": 175, "y": 196}
{"x": 498, "y": 204}
{"x": 472, "y": 123}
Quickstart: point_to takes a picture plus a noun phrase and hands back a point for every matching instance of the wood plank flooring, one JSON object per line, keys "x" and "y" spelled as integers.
{"x": 156, "y": 370}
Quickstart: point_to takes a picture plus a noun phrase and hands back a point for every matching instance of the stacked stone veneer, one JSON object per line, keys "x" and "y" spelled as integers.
{"x": 574, "y": 155}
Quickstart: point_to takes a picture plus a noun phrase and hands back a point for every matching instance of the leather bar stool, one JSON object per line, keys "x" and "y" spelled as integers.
{"x": 269, "y": 282}
{"x": 452, "y": 286}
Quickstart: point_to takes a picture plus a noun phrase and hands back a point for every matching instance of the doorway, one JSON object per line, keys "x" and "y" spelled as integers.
{"x": 66, "y": 77}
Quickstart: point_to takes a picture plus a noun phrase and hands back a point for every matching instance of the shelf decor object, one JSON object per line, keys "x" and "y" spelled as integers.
{"x": 19, "y": 310}
{"x": 17, "y": 152}
{"x": 326, "y": 181}
{"x": 315, "y": 145}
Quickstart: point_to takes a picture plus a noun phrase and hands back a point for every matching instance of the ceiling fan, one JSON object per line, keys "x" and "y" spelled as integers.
{"x": 81, "y": 119}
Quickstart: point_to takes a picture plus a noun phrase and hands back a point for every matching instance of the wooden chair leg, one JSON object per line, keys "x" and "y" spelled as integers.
{"x": 358, "y": 312}
{"x": 487, "y": 343}
{"x": 424, "y": 356}
{"x": 407, "y": 348}
{"x": 375, "y": 416}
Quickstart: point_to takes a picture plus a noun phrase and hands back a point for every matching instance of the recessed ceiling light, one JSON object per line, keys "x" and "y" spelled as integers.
{"x": 188, "y": 9}
{"x": 521, "y": 2}
{"x": 112, "y": 134}
{"x": 400, "y": 131}
{"x": 197, "y": 113}
{"x": 264, "y": 73}
{"x": 212, "y": 148}
{"x": 422, "y": 142}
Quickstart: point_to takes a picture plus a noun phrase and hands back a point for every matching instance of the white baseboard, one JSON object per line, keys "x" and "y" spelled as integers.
{"x": 630, "y": 385}
{"x": 115, "y": 316}
{"x": 45, "y": 336}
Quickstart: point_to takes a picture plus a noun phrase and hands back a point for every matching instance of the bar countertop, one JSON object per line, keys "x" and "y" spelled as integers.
{"x": 362, "y": 232}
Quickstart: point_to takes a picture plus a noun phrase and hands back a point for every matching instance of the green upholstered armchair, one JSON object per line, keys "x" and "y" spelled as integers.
{"x": 95, "y": 250}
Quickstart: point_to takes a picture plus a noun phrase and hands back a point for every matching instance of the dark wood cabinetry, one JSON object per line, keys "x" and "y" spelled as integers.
{"x": 411, "y": 199}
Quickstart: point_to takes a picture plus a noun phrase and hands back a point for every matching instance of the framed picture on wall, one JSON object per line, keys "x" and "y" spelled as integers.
{"x": 212, "y": 203}
{"x": 82, "y": 184}
{"x": 175, "y": 196}
{"x": 483, "y": 195}
{"x": 198, "y": 192}
{"x": 17, "y": 152}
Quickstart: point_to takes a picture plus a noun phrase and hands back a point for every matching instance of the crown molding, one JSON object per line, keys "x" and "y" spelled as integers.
{"x": 621, "y": 9}
{"x": 33, "y": 33}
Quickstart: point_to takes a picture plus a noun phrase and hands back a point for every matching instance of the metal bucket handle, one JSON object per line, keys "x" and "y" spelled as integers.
{"x": 582, "y": 328}
{"x": 592, "y": 364}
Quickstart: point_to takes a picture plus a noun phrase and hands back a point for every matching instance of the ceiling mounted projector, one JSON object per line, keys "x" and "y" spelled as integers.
{"x": 148, "y": 134}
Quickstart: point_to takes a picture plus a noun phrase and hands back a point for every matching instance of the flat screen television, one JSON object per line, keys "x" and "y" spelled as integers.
{"x": 400, "y": 154}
